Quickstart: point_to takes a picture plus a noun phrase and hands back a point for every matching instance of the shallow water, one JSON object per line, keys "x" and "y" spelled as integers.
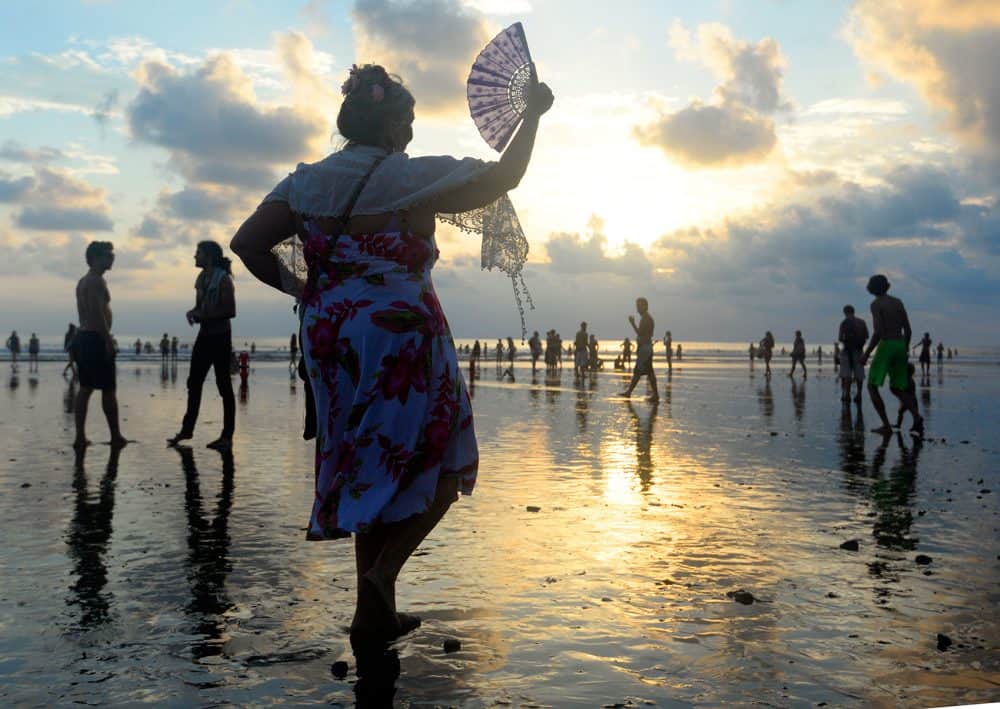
{"x": 182, "y": 577}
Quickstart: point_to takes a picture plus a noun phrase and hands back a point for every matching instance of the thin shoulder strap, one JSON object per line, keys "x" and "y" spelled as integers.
{"x": 343, "y": 218}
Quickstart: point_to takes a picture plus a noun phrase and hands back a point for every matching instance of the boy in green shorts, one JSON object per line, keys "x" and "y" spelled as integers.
{"x": 891, "y": 342}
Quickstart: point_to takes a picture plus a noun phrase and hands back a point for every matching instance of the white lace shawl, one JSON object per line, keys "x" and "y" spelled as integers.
{"x": 323, "y": 189}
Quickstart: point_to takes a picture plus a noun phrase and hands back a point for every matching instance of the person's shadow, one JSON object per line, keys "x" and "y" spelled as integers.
{"x": 208, "y": 562}
{"x": 88, "y": 538}
{"x": 378, "y": 670}
{"x": 798, "y": 399}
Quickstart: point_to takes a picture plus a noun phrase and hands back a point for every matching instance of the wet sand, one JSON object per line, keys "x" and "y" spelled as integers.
{"x": 182, "y": 577}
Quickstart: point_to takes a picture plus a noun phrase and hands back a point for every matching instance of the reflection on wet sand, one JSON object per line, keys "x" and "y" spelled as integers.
{"x": 765, "y": 400}
{"x": 88, "y": 538}
{"x": 643, "y": 444}
{"x": 208, "y": 554}
{"x": 798, "y": 399}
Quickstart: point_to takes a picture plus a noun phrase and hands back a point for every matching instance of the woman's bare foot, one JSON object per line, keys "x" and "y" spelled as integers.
{"x": 181, "y": 436}
{"x": 407, "y": 623}
{"x": 220, "y": 444}
{"x": 376, "y": 620}
{"x": 81, "y": 443}
{"x": 118, "y": 441}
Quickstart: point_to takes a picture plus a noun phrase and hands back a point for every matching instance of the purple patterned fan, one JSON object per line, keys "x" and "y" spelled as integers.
{"x": 498, "y": 86}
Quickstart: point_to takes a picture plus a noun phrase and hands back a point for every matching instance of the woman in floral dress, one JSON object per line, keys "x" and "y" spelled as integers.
{"x": 395, "y": 441}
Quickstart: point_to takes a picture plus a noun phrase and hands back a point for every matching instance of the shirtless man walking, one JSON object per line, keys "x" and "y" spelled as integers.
{"x": 891, "y": 335}
{"x": 643, "y": 349}
{"x": 92, "y": 348}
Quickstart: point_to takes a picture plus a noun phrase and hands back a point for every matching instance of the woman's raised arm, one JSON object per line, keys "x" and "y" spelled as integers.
{"x": 267, "y": 227}
{"x": 508, "y": 171}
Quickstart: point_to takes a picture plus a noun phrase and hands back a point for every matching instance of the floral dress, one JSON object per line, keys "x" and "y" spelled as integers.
{"x": 393, "y": 413}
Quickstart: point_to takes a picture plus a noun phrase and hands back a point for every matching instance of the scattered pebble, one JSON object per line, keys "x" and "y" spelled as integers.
{"x": 339, "y": 669}
{"x": 23, "y": 485}
{"x": 923, "y": 559}
{"x": 831, "y": 594}
{"x": 452, "y": 645}
{"x": 533, "y": 508}
{"x": 850, "y": 545}
{"x": 943, "y": 642}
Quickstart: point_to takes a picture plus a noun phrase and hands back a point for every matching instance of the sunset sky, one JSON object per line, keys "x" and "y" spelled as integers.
{"x": 745, "y": 165}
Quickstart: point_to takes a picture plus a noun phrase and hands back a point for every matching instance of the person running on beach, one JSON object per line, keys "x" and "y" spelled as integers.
{"x": 93, "y": 350}
{"x": 580, "y": 350}
{"x": 389, "y": 466}
{"x": 627, "y": 352}
{"x": 215, "y": 306}
{"x": 68, "y": 349}
{"x": 891, "y": 336}
{"x": 853, "y": 334}
{"x": 925, "y": 354}
{"x": 799, "y": 354}
{"x": 535, "y": 345}
{"x": 14, "y": 347}
{"x": 766, "y": 349}
{"x": 33, "y": 347}
{"x": 668, "y": 350}
{"x": 644, "y": 349}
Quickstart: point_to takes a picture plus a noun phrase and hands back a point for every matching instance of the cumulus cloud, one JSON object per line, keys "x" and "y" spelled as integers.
{"x": 735, "y": 128}
{"x": 431, "y": 44}
{"x": 12, "y": 151}
{"x": 711, "y": 136}
{"x": 199, "y": 204}
{"x": 948, "y": 50}
{"x": 571, "y": 253}
{"x": 53, "y": 199}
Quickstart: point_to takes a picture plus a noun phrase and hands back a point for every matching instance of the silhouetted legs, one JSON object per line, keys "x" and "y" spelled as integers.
{"x": 109, "y": 403}
{"x": 907, "y": 400}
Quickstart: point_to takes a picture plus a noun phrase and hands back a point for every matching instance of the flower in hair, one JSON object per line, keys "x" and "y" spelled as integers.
{"x": 353, "y": 81}
{"x": 378, "y": 93}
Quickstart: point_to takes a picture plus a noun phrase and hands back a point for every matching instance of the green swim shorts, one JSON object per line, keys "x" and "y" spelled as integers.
{"x": 891, "y": 357}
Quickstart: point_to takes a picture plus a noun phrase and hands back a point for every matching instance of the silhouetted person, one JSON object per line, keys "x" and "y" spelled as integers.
{"x": 836, "y": 352}
{"x": 93, "y": 349}
{"x": 293, "y": 349}
{"x": 940, "y": 353}
{"x": 925, "y": 354}
{"x": 580, "y": 350}
{"x": 644, "y": 349}
{"x": 215, "y": 306}
{"x": 535, "y": 345}
{"x": 593, "y": 358}
{"x": 766, "y": 350}
{"x": 853, "y": 334}
{"x": 14, "y": 347}
{"x": 751, "y": 352}
{"x": 799, "y": 354}
{"x": 627, "y": 352}
{"x": 680, "y": 353}
{"x": 33, "y": 347}
{"x": 174, "y": 346}
{"x": 668, "y": 347}
{"x": 477, "y": 352}
{"x": 253, "y": 348}
{"x": 165, "y": 347}
{"x": 511, "y": 352}
{"x": 911, "y": 387}
{"x": 68, "y": 349}
{"x": 891, "y": 336}
{"x": 949, "y": 353}
{"x": 819, "y": 355}
{"x": 138, "y": 347}
{"x": 243, "y": 364}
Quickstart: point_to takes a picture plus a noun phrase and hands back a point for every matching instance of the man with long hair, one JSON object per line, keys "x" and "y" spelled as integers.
{"x": 215, "y": 306}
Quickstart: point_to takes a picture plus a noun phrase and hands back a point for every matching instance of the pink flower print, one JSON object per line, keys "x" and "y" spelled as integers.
{"x": 400, "y": 374}
{"x": 322, "y": 339}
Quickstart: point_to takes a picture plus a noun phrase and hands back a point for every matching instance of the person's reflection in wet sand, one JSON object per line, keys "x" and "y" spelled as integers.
{"x": 88, "y": 537}
{"x": 643, "y": 444}
{"x": 766, "y": 400}
{"x": 852, "y": 447}
{"x": 582, "y": 405}
{"x": 164, "y": 373}
{"x": 893, "y": 496}
{"x": 377, "y": 671}
{"x": 667, "y": 394}
{"x": 208, "y": 554}
{"x": 799, "y": 399}
{"x": 244, "y": 393}
{"x": 173, "y": 372}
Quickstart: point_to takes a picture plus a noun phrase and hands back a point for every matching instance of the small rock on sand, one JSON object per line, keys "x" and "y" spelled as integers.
{"x": 850, "y": 545}
{"x": 923, "y": 559}
{"x": 452, "y": 645}
{"x": 339, "y": 669}
{"x": 741, "y": 596}
{"x": 943, "y": 642}
{"x": 533, "y": 508}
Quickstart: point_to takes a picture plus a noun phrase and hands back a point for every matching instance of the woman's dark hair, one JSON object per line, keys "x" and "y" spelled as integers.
{"x": 375, "y": 104}
{"x": 214, "y": 252}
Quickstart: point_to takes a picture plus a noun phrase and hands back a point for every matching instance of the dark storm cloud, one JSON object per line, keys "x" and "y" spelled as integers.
{"x": 56, "y": 218}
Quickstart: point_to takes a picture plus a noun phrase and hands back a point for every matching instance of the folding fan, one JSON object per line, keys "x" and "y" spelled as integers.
{"x": 499, "y": 85}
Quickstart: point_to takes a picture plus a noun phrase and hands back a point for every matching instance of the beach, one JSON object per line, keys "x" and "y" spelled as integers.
{"x": 615, "y": 553}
